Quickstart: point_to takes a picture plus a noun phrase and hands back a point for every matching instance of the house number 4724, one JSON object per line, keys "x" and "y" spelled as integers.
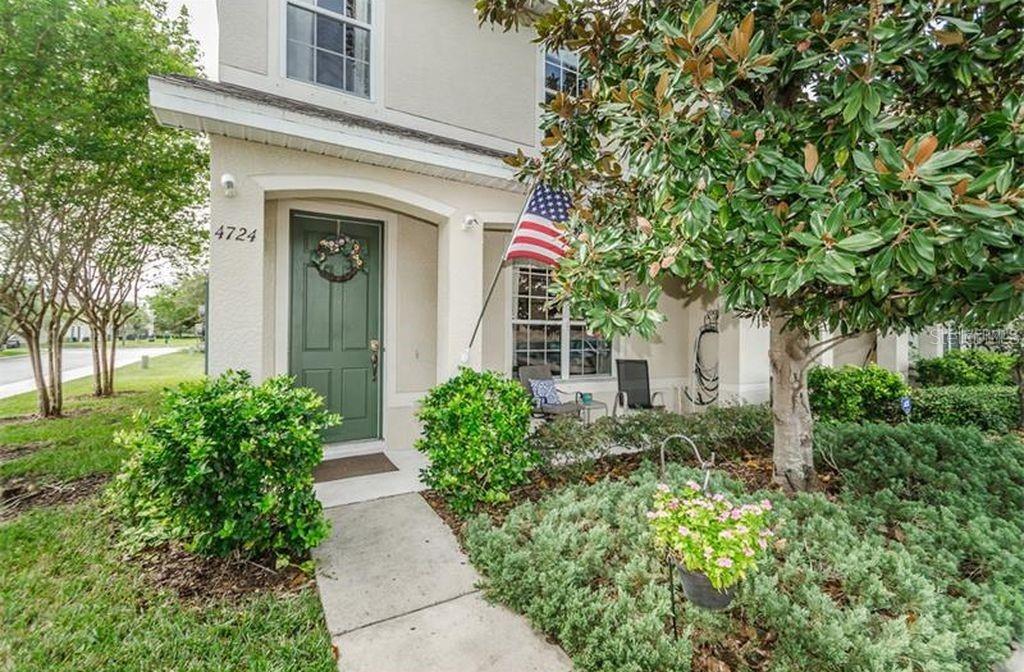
{"x": 239, "y": 233}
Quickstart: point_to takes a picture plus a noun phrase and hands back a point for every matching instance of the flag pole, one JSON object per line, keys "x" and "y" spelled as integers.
{"x": 494, "y": 283}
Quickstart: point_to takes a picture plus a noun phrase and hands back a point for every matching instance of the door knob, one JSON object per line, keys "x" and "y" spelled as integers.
{"x": 374, "y": 356}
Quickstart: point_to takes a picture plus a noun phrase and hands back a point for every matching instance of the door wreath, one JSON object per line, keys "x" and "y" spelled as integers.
{"x": 338, "y": 245}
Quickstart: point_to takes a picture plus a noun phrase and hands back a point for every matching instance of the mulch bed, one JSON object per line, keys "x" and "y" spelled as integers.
{"x": 751, "y": 646}
{"x": 755, "y": 470}
{"x": 19, "y": 494}
{"x": 8, "y": 453}
{"x": 200, "y": 579}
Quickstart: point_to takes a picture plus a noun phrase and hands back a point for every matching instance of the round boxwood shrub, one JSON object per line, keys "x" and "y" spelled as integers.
{"x": 966, "y": 367}
{"x": 474, "y": 433}
{"x": 225, "y": 465}
{"x": 856, "y": 393}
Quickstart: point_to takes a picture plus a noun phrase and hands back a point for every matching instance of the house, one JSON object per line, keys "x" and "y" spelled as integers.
{"x": 386, "y": 121}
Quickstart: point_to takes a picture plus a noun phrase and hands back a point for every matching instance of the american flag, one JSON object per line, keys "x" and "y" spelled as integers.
{"x": 536, "y": 236}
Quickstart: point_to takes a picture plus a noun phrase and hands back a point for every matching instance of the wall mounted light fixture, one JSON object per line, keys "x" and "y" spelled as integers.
{"x": 227, "y": 181}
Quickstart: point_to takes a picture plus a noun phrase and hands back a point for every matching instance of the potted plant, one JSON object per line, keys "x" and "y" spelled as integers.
{"x": 713, "y": 541}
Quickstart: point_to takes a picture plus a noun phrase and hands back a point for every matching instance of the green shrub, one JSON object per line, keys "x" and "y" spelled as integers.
{"x": 992, "y": 408}
{"x": 956, "y": 467}
{"x": 966, "y": 367}
{"x": 474, "y": 433}
{"x": 227, "y": 466}
{"x": 567, "y": 446}
{"x": 916, "y": 560}
{"x": 731, "y": 431}
{"x": 856, "y": 393}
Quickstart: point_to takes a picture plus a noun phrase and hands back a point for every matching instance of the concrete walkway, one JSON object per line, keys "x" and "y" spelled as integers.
{"x": 400, "y": 596}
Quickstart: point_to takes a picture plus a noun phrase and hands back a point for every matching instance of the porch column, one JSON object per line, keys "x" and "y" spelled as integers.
{"x": 929, "y": 343}
{"x": 460, "y": 262}
{"x": 894, "y": 353}
{"x": 743, "y": 360}
{"x": 236, "y": 335}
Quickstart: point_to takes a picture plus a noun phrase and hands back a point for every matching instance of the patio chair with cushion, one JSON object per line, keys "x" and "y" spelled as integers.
{"x": 540, "y": 385}
{"x": 635, "y": 387}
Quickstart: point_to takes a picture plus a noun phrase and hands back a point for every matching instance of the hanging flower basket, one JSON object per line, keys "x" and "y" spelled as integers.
{"x": 339, "y": 246}
{"x": 712, "y": 541}
{"x": 698, "y": 589}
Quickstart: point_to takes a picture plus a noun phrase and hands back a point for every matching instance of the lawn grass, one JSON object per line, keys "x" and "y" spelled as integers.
{"x": 70, "y": 598}
{"x": 81, "y": 443}
{"x": 70, "y": 602}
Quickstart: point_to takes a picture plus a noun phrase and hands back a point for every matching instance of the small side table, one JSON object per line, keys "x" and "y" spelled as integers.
{"x": 588, "y": 409}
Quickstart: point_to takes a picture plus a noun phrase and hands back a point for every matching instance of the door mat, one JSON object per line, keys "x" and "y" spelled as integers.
{"x": 350, "y": 467}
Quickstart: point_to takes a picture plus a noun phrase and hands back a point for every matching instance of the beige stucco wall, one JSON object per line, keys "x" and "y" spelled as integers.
{"x": 441, "y": 65}
{"x": 857, "y": 350}
{"x": 495, "y": 332}
{"x": 434, "y": 69}
{"x": 243, "y": 34}
{"x": 415, "y": 347}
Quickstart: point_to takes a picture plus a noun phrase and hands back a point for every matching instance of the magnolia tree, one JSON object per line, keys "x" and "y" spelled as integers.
{"x": 830, "y": 168}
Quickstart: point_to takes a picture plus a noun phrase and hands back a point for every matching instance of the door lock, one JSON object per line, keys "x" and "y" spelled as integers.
{"x": 374, "y": 356}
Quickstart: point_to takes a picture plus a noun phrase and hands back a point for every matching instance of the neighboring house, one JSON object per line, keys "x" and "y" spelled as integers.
{"x": 386, "y": 120}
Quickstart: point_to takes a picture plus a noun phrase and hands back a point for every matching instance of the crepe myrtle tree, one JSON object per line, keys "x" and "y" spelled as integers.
{"x": 829, "y": 167}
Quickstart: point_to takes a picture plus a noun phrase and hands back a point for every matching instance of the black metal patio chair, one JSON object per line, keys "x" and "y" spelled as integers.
{"x": 635, "y": 387}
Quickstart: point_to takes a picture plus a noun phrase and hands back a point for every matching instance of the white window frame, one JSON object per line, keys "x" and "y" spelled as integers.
{"x": 544, "y": 90}
{"x": 565, "y": 324}
{"x": 374, "y": 28}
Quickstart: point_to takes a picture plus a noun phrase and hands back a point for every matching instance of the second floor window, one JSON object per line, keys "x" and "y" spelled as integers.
{"x": 546, "y": 334}
{"x": 329, "y": 44}
{"x": 562, "y": 74}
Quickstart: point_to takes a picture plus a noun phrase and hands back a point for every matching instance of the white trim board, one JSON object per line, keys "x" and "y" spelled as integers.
{"x": 182, "y": 106}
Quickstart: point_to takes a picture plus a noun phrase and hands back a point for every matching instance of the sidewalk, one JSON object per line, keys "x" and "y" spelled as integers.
{"x": 399, "y": 595}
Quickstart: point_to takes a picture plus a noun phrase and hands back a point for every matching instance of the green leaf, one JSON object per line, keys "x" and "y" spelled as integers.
{"x": 933, "y": 204}
{"x": 861, "y": 242}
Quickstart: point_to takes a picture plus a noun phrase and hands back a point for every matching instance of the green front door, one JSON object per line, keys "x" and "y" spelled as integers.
{"x": 336, "y": 326}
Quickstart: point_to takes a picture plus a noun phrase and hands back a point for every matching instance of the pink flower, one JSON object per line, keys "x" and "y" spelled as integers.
{"x": 651, "y": 515}
{"x": 684, "y": 531}
{"x": 724, "y": 562}
{"x": 719, "y": 497}
{"x": 747, "y": 551}
{"x": 662, "y": 487}
{"x": 725, "y": 534}
{"x": 766, "y": 505}
{"x": 693, "y": 485}
{"x": 673, "y": 504}
{"x": 736, "y": 514}
{"x": 762, "y": 543}
{"x": 741, "y": 529}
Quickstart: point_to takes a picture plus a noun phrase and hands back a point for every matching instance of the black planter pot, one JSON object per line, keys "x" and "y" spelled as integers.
{"x": 698, "y": 589}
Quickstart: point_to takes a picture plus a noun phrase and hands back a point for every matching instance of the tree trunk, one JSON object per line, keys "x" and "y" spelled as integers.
{"x": 35, "y": 355}
{"x": 1019, "y": 375}
{"x": 97, "y": 359}
{"x": 108, "y": 381}
{"x": 793, "y": 455}
{"x": 55, "y": 359}
{"x": 104, "y": 360}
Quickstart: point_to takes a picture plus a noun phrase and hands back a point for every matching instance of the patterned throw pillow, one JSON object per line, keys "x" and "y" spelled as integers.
{"x": 544, "y": 392}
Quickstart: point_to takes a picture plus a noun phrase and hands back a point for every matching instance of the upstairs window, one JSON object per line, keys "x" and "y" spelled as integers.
{"x": 562, "y": 74}
{"x": 329, "y": 44}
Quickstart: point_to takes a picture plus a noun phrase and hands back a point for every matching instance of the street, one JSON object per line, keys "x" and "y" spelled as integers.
{"x": 16, "y": 372}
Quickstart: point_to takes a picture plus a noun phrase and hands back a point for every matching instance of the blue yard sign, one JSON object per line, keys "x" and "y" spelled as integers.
{"x": 905, "y": 406}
